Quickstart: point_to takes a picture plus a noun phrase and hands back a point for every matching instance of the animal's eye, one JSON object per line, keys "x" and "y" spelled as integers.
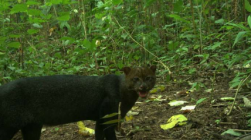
{"x": 135, "y": 79}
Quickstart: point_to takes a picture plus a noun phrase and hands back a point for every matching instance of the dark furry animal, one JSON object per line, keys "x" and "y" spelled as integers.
{"x": 30, "y": 103}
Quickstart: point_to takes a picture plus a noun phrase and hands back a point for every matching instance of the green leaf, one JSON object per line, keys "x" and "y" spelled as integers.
{"x": 66, "y": 2}
{"x": 14, "y": 45}
{"x": 205, "y": 58}
{"x": 178, "y": 6}
{"x": 195, "y": 86}
{"x": 32, "y": 31}
{"x": 19, "y": 8}
{"x": 239, "y": 26}
{"x": 247, "y": 6}
{"x": 249, "y": 21}
{"x": 120, "y": 65}
{"x": 64, "y": 16}
{"x": 173, "y": 45}
{"x": 36, "y": 20}
{"x": 216, "y": 45}
{"x": 239, "y": 37}
{"x": 227, "y": 99}
{"x": 54, "y": 2}
{"x": 32, "y": 3}
{"x": 192, "y": 70}
{"x": 110, "y": 115}
{"x": 99, "y": 15}
{"x": 231, "y": 132}
{"x": 65, "y": 24}
{"x": 14, "y": 36}
{"x": 178, "y": 18}
{"x": 116, "y": 2}
{"x": 200, "y": 100}
{"x": 149, "y": 3}
{"x": 4, "y": 6}
{"x": 2, "y": 39}
{"x": 236, "y": 81}
{"x": 219, "y": 21}
{"x": 1, "y": 53}
{"x": 34, "y": 12}
{"x": 168, "y": 78}
{"x": 36, "y": 25}
{"x": 113, "y": 121}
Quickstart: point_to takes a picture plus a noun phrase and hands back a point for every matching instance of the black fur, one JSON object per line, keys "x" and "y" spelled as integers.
{"x": 29, "y": 103}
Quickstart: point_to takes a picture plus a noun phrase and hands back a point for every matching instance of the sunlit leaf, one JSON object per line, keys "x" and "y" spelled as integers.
{"x": 177, "y": 103}
{"x": 173, "y": 121}
{"x": 84, "y": 130}
{"x": 188, "y": 108}
{"x": 128, "y": 118}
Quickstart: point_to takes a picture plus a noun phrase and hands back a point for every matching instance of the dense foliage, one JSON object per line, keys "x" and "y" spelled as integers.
{"x": 96, "y": 37}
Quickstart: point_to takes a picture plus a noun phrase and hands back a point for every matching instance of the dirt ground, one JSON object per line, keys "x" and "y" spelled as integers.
{"x": 202, "y": 123}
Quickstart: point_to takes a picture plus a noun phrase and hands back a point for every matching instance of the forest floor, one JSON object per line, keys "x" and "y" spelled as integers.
{"x": 206, "y": 122}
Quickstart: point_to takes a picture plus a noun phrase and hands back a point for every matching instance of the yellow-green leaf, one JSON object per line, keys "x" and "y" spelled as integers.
{"x": 173, "y": 121}
{"x": 110, "y": 115}
{"x": 113, "y": 121}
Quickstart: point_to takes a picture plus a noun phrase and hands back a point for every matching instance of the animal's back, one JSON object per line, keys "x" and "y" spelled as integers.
{"x": 52, "y": 100}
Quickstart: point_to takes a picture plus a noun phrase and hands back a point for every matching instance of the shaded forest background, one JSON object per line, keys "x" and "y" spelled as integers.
{"x": 95, "y": 37}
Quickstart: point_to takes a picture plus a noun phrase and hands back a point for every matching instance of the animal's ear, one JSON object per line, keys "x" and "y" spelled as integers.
{"x": 153, "y": 68}
{"x": 126, "y": 70}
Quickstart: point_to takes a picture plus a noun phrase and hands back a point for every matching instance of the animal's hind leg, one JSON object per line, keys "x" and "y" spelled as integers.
{"x": 7, "y": 133}
{"x": 31, "y": 132}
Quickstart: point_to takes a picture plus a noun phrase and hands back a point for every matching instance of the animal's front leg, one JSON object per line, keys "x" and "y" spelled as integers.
{"x": 109, "y": 106}
{"x": 99, "y": 133}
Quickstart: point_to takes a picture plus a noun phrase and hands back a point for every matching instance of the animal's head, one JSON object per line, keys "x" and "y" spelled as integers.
{"x": 140, "y": 79}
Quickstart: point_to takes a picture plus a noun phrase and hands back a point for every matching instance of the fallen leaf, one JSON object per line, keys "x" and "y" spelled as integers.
{"x": 84, "y": 130}
{"x": 176, "y": 103}
{"x": 128, "y": 118}
{"x": 173, "y": 121}
{"x": 158, "y": 89}
{"x": 231, "y": 132}
{"x": 227, "y": 98}
{"x": 188, "y": 108}
{"x": 247, "y": 102}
